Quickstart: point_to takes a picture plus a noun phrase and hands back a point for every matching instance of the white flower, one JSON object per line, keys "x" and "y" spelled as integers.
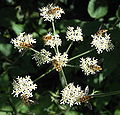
{"x": 52, "y": 40}
{"x": 42, "y": 57}
{"x": 89, "y": 65}
{"x": 60, "y": 61}
{"x": 102, "y": 42}
{"x": 23, "y": 41}
{"x": 74, "y": 34}
{"x": 51, "y": 12}
{"x": 23, "y": 86}
{"x": 71, "y": 95}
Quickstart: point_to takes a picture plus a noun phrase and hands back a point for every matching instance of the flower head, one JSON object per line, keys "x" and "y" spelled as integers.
{"x": 23, "y": 86}
{"x": 23, "y": 41}
{"x": 89, "y": 65}
{"x": 73, "y": 95}
{"x": 59, "y": 61}
{"x": 51, "y": 12}
{"x": 42, "y": 57}
{"x": 74, "y": 34}
{"x": 52, "y": 40}
{"x": 102, "y": 42}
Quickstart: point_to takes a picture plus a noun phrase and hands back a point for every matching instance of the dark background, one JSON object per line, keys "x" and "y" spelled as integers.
{"x": 18, "y": 16}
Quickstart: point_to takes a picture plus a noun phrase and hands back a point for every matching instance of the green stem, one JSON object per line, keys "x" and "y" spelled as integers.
{"x": 69, "y": 47}
{"x": 73, "y": 66}
{"x": 34, "y": 50}
{"x": 81, "y": 54}
{"x": 55, "y": 50}
{"x": 53, "y": 26}
{"x": 62, "y": 78}
{"x": 115, "y": 23}
{"x": 43, "y": 75}
{"x": 54, "y": 32}
{"x": 106, "y": 94}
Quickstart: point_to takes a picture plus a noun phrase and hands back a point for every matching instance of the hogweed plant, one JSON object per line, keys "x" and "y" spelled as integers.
{"x": 70, "y": 94}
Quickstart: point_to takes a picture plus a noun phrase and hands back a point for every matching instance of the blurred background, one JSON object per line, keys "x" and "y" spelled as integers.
{"x": 18, "y": 16}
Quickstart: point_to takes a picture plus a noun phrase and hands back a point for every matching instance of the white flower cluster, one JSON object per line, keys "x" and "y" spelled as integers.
{"x": 52, "y": 40}
{"x": 42, "y": 57}
{"x": 51, "y": 12}
{"x": 74, "y": 34}
{"x": 71, "y": 95}
{"x": 102, "y": 42}
{"x": 23, "y": 41}
{"x": 89, "y": 65}
{"x": 60, "y": 61}
{"x": 23, "y": 86}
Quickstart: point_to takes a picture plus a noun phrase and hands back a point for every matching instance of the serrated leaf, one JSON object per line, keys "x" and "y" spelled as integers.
{"x": 97, "y": 8}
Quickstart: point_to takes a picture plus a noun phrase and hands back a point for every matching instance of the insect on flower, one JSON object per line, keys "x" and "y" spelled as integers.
{"x": 46, "y": 38}
{"x": 101, "y": 32}
{"x": 95, "y": 68}
{"x": 25, "y": 45}
{"x": 26, "y": 100}
{"x": 53, "y": 11}
{"x": 86, "y": 97}
{"x": 56, "y": 65}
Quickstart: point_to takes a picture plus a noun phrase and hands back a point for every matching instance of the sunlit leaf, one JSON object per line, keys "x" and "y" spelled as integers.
{"x": 72, "y": 113}
{"x": 97, "y": 8}
{"x": 18, "y": 28}
{"x": 117, "y": 112}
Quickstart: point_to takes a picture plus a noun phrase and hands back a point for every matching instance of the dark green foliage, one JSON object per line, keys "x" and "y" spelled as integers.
{"x": 18, "y": 16}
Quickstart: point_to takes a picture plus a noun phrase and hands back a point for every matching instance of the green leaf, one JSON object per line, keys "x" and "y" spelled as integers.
{"x": 5, "y": 65}
{"x": 22, "y": 108}
{"x": 4, "y": 81}
{"x": 117, "y": 112}
{"x": 97, "y": 8}
{"x": 73, "y": 113}
{"x": 18, "y": 28}
{"x": 118, "y": 13}
{"x": 5, "y": 49}
{"x": 6, "y": 110}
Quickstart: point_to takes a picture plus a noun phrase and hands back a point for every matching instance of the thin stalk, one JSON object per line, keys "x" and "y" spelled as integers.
{"x": 73, "y": 66}
{"x": 62, "y": 78}
{"x": 115, "y": 23}
{"x": 54, "y": 32}
{"x": 53, "y": 26}
{"x": 34, "y": 50}
{"x": 81, "y": 54}
{"x": 43, "y": 75}
{"x": 55, "y": 50}
{"x": 69, "y": 47}
{"x": 106, "y": 94}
